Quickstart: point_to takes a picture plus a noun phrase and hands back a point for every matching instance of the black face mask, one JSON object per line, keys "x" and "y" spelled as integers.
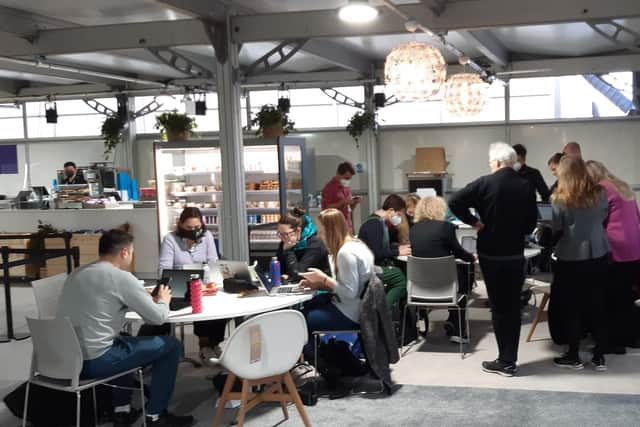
{"x": 194, "y": 235}
{"x": 69, "y": 174}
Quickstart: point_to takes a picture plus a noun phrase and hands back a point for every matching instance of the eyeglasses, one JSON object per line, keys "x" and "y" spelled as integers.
{"x": 285, "y": 235}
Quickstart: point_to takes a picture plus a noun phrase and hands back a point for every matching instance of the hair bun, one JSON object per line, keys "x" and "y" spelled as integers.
{"x": 298, "y": 212}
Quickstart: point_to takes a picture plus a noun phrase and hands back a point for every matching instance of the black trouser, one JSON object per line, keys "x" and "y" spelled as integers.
{"x": 503, "y": 279}
{"x": 585, "y": 283}
{"x": 620, "y": 305}
{"x": 213, "y": 330}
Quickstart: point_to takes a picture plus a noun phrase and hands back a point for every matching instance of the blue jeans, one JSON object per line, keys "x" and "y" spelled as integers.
{"x": 322, "y": 315}
{"x": 162, "y": 353}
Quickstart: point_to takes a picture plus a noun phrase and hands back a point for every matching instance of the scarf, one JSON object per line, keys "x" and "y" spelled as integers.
{"x": 308, "y": 231}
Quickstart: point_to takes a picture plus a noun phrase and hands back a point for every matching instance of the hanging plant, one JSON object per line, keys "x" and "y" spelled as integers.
{"x": 112, "y": 132}
{"x": 175, "y": 126}
{"x": 272, "y": 122}
{"x": 361, "y": 121}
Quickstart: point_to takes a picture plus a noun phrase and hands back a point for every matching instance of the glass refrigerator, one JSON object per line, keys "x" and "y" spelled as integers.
{"x": 188, "y": 173}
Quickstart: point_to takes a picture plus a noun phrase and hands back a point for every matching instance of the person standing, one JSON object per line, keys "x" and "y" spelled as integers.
{"x": 96, "y": 298}
{"x": 508, "y": 212}
{"x": 336, "y": 194}
{"x": 572, "y": 149}
{"x": 623, "y": 232}
{"x": 580, "y": 209}
{"x": 533, "y": 175}
{"x": 72, "y": 174}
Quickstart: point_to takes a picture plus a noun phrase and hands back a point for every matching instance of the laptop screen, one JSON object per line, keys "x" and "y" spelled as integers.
{"x": 180, "y": 281}
{"x": 262, "y": 277}
{"x": 469, "y": 244}
{"x": 545, "y": 212}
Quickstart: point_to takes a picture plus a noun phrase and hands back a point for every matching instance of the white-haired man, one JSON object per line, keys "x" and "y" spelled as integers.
{"x": 507, "y": 213}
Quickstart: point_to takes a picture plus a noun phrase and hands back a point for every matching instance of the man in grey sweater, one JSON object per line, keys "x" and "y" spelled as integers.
{"x": 95, "y": 298}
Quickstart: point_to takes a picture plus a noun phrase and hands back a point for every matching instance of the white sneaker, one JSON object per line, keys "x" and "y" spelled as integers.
{"x": 232, "y": 404}
{"x": 458, "y": 339}
{"x": 210, "y": 356}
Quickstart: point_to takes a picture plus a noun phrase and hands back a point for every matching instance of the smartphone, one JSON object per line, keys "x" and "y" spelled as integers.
{"x": 164, "y": 281}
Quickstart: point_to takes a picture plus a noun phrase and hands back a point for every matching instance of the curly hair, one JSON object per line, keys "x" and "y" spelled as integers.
{"x": 434, "y": 208}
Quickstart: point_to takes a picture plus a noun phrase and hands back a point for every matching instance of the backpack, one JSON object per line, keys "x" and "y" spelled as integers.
{"x": 335, "y": 360}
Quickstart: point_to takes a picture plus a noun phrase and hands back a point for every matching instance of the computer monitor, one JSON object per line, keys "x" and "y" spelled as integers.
{"x": 41, "y": 191}
{"x": 545, "y": 212}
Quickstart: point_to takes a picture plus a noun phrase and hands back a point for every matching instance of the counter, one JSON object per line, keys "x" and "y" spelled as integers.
{"x": 144, "y": 225}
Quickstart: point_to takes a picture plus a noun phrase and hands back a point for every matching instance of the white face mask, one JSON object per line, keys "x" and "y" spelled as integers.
{"x": 396, "y": 220}
{"x": 517, "y": 166}
{"x": 345, "y": 182}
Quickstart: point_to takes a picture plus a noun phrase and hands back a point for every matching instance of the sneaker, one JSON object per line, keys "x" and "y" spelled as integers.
{"x": 170, "y": 420}
{"x": 449, "y": 328}
{"x": 500, "y": 368}
{"x": 209, "y": 356}
{"x": 598, "y": 363}
{"x": 459, "y": 339}
{"x": 126, "y": 419}
{"x": 568, "y": 362}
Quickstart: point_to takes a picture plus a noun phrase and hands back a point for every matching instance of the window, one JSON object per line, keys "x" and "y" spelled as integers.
{"x": 569, "y": 97}
{"x": 75, "y": 118}
{"x": 11, "y": 122}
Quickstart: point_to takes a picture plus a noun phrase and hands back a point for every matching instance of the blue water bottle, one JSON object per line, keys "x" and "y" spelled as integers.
{"x": 274, "y": 269}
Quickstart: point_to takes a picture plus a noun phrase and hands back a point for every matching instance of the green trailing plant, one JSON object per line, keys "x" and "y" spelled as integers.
{"x": 112, "y": 132}
{"x": 270, "y": 115}
{"x": 360, "y": 122}
{"x": 174, "y": 123}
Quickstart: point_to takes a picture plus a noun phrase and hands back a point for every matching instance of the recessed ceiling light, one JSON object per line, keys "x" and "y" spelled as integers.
{"x": 358, "y": 11}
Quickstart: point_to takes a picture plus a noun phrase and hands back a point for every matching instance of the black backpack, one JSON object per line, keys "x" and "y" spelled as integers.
{"x": 335, "y": 360}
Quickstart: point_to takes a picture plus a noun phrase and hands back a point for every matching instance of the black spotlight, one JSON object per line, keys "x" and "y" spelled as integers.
{"x": 51, "y": 112}
{"x": 123, "y": 109}
{"x": 201, "y": 106}
{"x": 379, "y": 99}
{"x": 284, "y": 104}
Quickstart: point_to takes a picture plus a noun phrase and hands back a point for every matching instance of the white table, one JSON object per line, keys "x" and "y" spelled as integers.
{"x": 228, "y": 306}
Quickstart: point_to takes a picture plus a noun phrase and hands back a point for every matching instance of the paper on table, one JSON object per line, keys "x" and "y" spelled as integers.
{"x": 426, "y": 192}
{"x": 181, "y": 312}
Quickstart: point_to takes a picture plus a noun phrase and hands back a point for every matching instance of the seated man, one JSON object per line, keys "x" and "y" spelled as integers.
{"x": 95, "y": 298}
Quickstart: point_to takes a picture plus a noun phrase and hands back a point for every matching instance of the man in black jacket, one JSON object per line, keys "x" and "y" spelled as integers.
{"x": 533, "y": 175}
{"x": 507, "y": 209}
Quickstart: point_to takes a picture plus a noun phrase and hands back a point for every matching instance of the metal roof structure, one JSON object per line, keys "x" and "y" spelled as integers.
{"x": 81, "y": 48}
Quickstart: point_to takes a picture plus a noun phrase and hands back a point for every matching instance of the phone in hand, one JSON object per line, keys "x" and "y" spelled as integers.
{"x": 164, "y": 281}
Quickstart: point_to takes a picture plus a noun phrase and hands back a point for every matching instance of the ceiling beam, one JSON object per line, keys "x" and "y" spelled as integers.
{"x": 33, "y": 69}
{"x": 459, "y": 15}
{"x": 488, "y": 45}
{"x": 572, "y": 66}
{"x": 106, "y": 37}
{"x": 26, "y": 24}
{"x": 9, "y": 87}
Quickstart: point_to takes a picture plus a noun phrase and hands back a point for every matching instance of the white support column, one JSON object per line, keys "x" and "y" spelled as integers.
{"x": 27, "y": 149}
{"x": 233, "y": 222}
{"x": 371, "y": 150}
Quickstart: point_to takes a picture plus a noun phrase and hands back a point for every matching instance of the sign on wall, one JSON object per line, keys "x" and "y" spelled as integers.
{"x": 8, "y": 159}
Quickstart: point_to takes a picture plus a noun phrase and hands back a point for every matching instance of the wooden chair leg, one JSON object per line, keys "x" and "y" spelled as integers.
{"x": 231, "y": 379}
{"x": 243, "y": 402}
{"x": 538, "y": 316}
{"x": 293, "y": 392}
{"x": 278, "y": 386}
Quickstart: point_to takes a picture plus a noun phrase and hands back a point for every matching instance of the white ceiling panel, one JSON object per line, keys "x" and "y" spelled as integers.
{"x": 576, "y": 39}
{"x": 98, "y": 12}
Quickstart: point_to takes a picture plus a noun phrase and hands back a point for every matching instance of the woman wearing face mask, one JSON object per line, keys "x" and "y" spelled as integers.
{"x": 400, "y": 234}
{"x": 300, "y": 248}
{"x": 375, "y": 234}
{"x": 191, "y": 243}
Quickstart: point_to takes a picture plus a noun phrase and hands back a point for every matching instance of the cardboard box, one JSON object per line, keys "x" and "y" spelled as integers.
{"x": 431, "y": 159}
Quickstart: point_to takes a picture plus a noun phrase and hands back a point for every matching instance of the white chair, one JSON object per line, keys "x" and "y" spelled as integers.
{"x": 47, "y": 293}
{"x": 262, "y": 350}
{"x": 433, "y": 282}
{"x": 57, "y": 363}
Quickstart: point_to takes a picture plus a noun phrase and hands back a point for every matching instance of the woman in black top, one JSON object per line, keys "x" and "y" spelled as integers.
{"x": 300, "y": 247}
{"x": 432, "y": 237}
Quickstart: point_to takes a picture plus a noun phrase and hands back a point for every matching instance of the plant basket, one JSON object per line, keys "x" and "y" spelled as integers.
{"x": 273, "y": 131}
{"x": 177, "y": 135}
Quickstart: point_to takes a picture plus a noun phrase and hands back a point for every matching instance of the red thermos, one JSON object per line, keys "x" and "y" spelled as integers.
{"x": 195, "y": 291}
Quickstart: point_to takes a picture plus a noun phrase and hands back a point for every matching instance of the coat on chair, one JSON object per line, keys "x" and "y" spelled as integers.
{"x": 376, "y": 329}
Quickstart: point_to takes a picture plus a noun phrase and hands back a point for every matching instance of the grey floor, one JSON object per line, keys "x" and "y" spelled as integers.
{"x": 439, "y": 388}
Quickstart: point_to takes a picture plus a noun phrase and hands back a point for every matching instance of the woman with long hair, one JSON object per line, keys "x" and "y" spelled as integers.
{"x": 580, "y": 210}
{"x": 339, "y": 309}
{"x": 623, "y": 231}
{"x": 300, "y": 247}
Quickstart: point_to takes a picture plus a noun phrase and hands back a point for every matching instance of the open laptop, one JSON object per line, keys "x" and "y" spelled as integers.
{"x": 180, "y": 286}
{"x": 273, "y": 291}
{"x": 545, "y": 213}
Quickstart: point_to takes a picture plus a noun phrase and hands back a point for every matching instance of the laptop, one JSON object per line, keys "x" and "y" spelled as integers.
{"x": 469, "y": 244}
{"x": 222, "y": 269}
{"x": 282, "y": 290}
{"x": 545, "y": 212}
{"x": 180, "y": 286}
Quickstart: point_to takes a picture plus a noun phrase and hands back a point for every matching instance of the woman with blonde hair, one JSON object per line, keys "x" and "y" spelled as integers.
{"x": 400, "y": 234}
{"x": 353, "y": 265}
{"x": 623, "y": 232}
{"x": 580, "y": 210}
{"x": 433, "y": 237}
